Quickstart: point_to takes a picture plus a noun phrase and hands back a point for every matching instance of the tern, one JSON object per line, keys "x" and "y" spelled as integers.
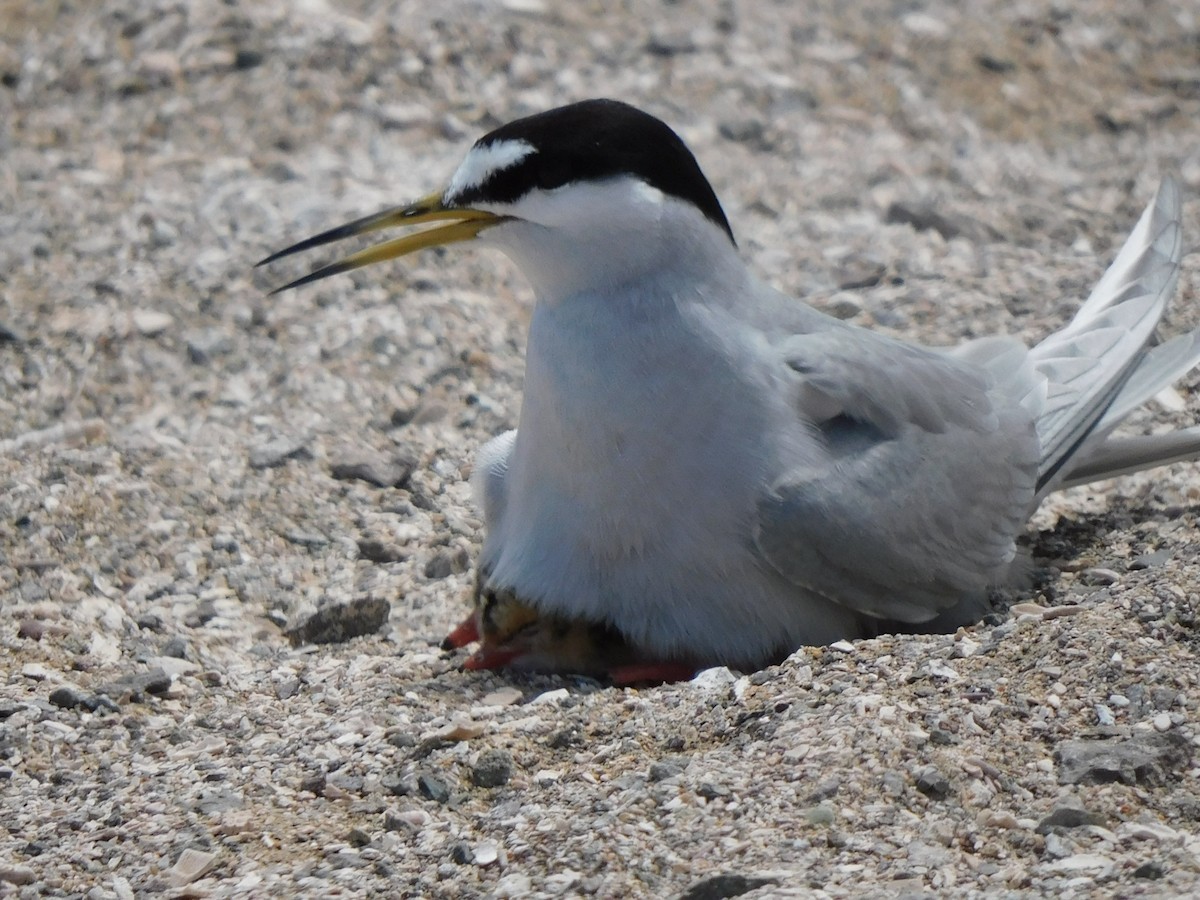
{"x": 708, "y": 472}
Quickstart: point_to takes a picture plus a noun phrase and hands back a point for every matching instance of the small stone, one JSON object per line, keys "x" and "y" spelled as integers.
{"x": 373, "y": 468}
{"x": 662, "y": 770}
{"x": 820, "y": 814}
{"x": 380, "y": 551}
{"x": 340, "y": 622}
{"x": 1099, "y": 577}
{"x": 855, "y": 274}
{"x": 720, "y": 887}
{"x": 932, "y": 783}
{"x": 205, "y": 344}
{"x": 1152, "y": 870}
{"x": 278, "y": 451}
{"x": 66, "y": 698}
{"x": 1161, "y": 722}
{"x": 923, "y": 217}
{"x": 405, "y": 821}
{"x": 136, "y": 685}
{"x": 433, "y": 788}
{"x": 150, "y": 322}
{"x": 31, "y": 629}
{"x": 17, "y": 875}
{"x": 1068, "y": 817}
{"x": 1151, "y": 560}
{"x": 512, "y": 885}
{"x": 191, "y": 866}
{"x": 503, "y": 697}
{"x": 447, "y": 563}
{"x": 485, "y": 854}
{"x": 398, "y": 785}
{"x": 492, "y": 769}
{"x": 1148, "y": 759}
{"x": 246, "y": 58}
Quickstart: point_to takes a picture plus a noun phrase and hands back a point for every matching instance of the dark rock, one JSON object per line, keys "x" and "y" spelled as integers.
{"x": 923, "y": 217}
{"x": 433, "y": 788}
{"x": 824, "y": 790}
{"x": 718, "y": 887}
{"x": 447, "y": 562}
{"x": 204, "y": 344}
{"x": 379, "y": 551}
{"x": 247, "y": 59}
{"x": 31, "y": 629}
{"x": 493, "y": 769}
{"x": 710, "y": 791}
{"x": 402, "y": 739}
{"x": 932, "y": 783}
{"x": 203, "y": 613}
{"x": 136, "y": 685}
{"x": 664, "y": 769}
{"x": 340, "y": 622}
{"x": 1146, "y": 759}
{"x": 398, "y": 785}
{"x": 568, "y": 737}
{"x": 1150, "y": 870}
{"x": 66, "y": 698}
{"x": 374, "y": 469}
{"x": 150, "y": 622}
{"x": 1068, "y": 817}
{"x": 345, "y": 781}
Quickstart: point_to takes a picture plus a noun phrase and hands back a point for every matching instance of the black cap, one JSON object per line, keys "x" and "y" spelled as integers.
{"x": 594, "y": 140}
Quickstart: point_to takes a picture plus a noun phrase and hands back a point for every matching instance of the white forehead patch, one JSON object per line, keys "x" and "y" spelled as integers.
{"x": 483, "y": 162}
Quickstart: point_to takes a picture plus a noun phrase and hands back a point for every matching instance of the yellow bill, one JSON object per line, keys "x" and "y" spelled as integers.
{"x": 466, "y": 225}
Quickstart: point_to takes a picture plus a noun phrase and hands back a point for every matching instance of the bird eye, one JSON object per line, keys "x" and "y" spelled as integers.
{"x": 551, "y": 174}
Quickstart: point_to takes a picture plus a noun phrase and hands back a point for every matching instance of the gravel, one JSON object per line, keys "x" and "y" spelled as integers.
{"x": 191, "y": 471}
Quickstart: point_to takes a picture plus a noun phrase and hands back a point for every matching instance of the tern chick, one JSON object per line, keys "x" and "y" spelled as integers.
{"x": 706, "y": 471}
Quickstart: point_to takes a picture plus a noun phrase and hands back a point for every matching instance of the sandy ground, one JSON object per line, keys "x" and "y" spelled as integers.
{"x": 174, "y": 446}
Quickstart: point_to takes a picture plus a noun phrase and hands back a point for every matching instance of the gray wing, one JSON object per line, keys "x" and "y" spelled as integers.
{"x": 929, "y": 468}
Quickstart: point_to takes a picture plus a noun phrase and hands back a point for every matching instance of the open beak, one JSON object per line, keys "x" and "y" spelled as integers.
{"x": 466, "y": 224}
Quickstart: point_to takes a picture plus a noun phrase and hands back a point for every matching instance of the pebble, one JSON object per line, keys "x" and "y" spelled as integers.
{"x": 728, "y": 884}
{"x": 492, "y": 769}
{"x": 932, "y": 783}
{"x": 150, "y": 322}
{"x": 192, "y": 865}
{"x": 447, "y": 562}
{"x": 381, "y": 471}
{"x": 276, "y": 452}
{"x": 341, "y": 622}
{"x": 1068, "y": 817}
{"x": 1151, "y": 758}
{"x": 19, "y": 875}
{"x": 433, "y": 788}
{"x": 486, "y": 853}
